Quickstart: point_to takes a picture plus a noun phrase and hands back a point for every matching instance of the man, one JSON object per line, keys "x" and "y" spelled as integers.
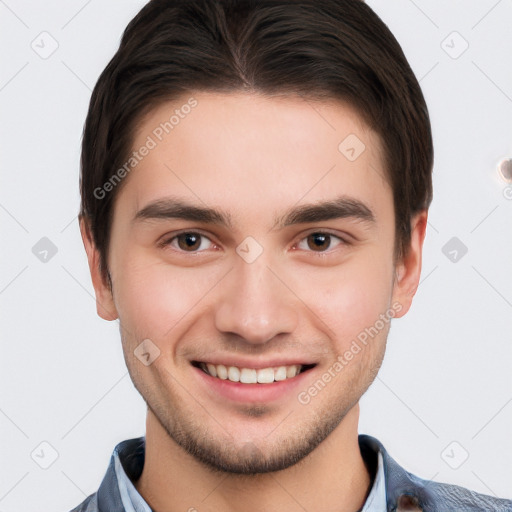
{"x": 255, "y": 184}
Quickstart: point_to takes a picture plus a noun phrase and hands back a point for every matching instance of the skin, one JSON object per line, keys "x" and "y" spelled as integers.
{"x": 254, "y": 158}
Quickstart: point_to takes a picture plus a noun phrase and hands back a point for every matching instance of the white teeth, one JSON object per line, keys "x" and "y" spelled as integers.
{"x": 280, "y": 373}
{"x": 233, "y": 374}
{"x": 266, "y": 376}
{"x": 251, "y": 375}
{"x": 222, "y": 372}
{"x": 248, "y": 376}
{"x": 291, "y": 371}
{"x": 211, "y": 370}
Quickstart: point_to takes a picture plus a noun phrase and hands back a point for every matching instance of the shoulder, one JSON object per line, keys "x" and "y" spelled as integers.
{"x": 128, "y": 455}
{"x": 403, "y": 489}
{"x": 453, "y": 497}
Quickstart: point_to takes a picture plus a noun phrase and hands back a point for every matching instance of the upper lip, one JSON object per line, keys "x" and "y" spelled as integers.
{"x": 257, "y": 363}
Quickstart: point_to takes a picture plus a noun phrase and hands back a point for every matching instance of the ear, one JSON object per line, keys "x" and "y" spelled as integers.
{"x": 408, "y": 268}
{"x": 105, "y": 306}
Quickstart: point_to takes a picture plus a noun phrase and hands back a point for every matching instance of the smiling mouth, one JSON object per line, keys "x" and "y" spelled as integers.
{"x": 252, "y": 375}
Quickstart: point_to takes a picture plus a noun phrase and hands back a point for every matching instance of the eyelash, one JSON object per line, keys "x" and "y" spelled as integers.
{"x": 342, "y": 241}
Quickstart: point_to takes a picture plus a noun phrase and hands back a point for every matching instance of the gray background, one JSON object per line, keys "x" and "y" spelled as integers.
{"x": 442, "y": 404}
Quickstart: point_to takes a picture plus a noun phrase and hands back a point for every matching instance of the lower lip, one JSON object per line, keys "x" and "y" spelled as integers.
{"x": 250, "y": 393}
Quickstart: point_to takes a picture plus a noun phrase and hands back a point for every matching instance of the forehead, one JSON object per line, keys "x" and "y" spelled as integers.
{"x": 249, "y": 152}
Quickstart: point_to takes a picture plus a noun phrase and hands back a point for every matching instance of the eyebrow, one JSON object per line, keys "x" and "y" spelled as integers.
{"x": 339, "y": 208}
{"x": 174, "y": 208}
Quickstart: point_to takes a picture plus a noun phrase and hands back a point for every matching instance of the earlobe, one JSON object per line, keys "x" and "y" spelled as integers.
{"x": 105, "y": 306}
{"x": 408, "y": 269}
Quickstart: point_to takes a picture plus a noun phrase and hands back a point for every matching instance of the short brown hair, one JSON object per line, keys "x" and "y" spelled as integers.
{"x": 319, "y": 49}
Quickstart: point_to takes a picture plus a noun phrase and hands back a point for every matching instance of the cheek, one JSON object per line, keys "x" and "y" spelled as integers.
{"x": 153, "y": 297}
{"x": 352, "y": 298}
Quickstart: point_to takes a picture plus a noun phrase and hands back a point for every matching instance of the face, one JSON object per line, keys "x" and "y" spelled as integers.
{"x": 254, "y": 242}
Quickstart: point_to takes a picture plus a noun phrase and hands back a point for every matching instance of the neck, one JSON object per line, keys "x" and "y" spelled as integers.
{"x": 332, "y": 477}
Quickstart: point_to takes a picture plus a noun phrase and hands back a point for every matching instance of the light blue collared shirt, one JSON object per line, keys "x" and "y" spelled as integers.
{"x": 376, "y": 501}
{"x": 134, "y": 502}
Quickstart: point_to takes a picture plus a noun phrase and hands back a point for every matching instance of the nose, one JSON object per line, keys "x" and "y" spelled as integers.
{"x": 256, "y": 303}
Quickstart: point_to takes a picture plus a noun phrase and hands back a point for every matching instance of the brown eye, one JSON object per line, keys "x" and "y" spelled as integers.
{"x": 189, "y": 242}
{"x": 319, "y": 242}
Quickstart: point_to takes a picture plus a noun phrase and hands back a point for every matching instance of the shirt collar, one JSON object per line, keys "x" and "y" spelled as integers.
{"x": 376, "y": 501}
{"x": 130, "y": 497}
